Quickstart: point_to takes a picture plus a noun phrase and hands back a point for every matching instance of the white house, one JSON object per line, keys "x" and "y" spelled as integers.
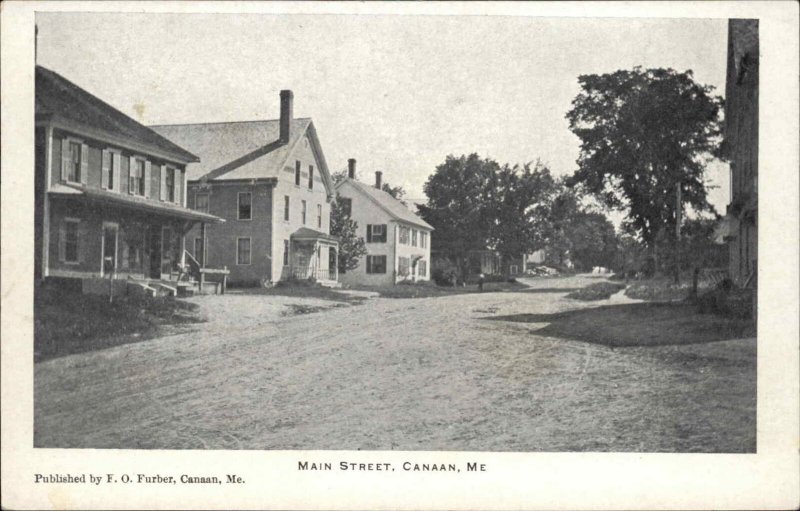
{"x": 398, "y": 241}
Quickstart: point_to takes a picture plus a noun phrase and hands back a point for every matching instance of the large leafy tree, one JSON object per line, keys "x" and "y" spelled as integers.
{"x": 351, "y": 246}
{"x": 644, "y": 133}
{"x": 475, "y": 204}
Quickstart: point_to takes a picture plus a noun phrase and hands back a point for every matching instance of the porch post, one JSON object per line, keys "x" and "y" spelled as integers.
{"x": 202, "y": 256}
{"x": 183, "y": 246}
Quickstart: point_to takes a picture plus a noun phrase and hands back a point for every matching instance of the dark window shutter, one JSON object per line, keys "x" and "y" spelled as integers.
{"x": 369, "y": 233}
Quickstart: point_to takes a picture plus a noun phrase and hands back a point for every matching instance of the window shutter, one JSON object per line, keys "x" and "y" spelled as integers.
{"x": 147, "y": 172}
{"x": 117, "y": 165}
{"x": 162, "y": 191}
{"x": 369, "y": 233}
{"x": 84, "y": 164}
{"x": 131, "y": 173}
{"x": 65, "y": 160}
{"x": 62, "y": 242}
{"x": 104, "y": 170}
{"x": 178, "y": 184}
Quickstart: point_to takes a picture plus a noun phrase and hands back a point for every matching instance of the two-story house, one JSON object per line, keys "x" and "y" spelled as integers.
{"x": 110, "y": 192}
{"x": 269, "y": 181}
{"x": 741, "y": 149}
{"x": 398, "y": 241}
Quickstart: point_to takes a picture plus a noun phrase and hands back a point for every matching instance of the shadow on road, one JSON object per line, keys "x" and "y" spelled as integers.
{"x": 637, "y": 324}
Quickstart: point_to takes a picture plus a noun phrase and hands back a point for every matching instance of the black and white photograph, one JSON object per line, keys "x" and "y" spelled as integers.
{"x": 372, "y": 232}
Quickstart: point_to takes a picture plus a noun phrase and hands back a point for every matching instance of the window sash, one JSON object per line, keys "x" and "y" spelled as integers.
{"x": 303, "y": 211}
{"x": 319, "y": 216}
{"x": 376, "y": 264}
{"x": 170, "y": 184}
{"x": 286, "y": 208}
{"x": 74, "y": 170}
{"x": 243, "y": 251}
{"x": 245, "y": 203}
{"x": 71, "y": 254}
{"x": 286, "y": 252}
{"x": 310, "y": 177}
{"x": 201, "y": 202}
{"x": 297, "y": 173}
{"x": 376, "y": 233}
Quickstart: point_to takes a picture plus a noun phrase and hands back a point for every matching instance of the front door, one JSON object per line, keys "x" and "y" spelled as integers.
{"x": 155, "y": 254}
{"x": 332, "y": 263}
{"x": 109, "y": 243}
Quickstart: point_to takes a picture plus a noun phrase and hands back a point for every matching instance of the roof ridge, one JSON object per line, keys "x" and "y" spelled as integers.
{"x": 224, "y": 122}
{"x": 73, "y": 88}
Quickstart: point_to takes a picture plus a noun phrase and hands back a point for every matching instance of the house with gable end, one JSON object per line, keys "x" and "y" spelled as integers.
{"x": 398, "y": 241}
{"x": 110, "y": 195}
{"x": 270, "y": 182}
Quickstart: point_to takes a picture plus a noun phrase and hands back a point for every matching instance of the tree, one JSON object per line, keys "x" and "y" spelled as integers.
{"x": 585, "y": 237}
{"x": 644, "y": 135}
{"x": 475, "y": 204}
{"x": 351, "y": 246}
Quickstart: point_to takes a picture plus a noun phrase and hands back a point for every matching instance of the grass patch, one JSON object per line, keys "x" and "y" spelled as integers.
{"x": 596, "y": 291}
{"x": 301, "y": 289}
{"x": 67, "y": 322}
{"x": 427, "y": 289}
{"x": 658, "y": 290}
{"x": 637, "y": 324}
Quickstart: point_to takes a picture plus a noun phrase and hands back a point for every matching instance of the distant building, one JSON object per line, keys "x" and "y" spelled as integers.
{"x": 398, "y": 241}
{"x": 110, "y": 193}
{"x": 270, "y": 182}
{"x": 741, "y": 149}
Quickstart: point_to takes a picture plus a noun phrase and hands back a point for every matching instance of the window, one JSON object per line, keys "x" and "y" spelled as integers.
{"x": 108, "y": 170}
{"x": 423, "y": 239}
{"x": 297, "y": 172}
{"x": 245, "y": 206}
{"x": 137, "y": 177}
{"x": 286, "y": 252}
{"x": 74, "y": 169}
{"x": 242, "y": 250}
{"x": 376, "y": 233}
{"x": 286, "y": 208}
{"x": 169, "y": 183}
{"x": 376, "y": 264}
{"x": 319, "y": 216}
{"x": 201, "y": 202}
{"x": 70, "y": 241}
{"x": 347, "y": 205}
{"x": 404, "y": 235}
{"x": 422, "y": 268}
{"x": 413, "y": 237}
{"x": 402, "y": 266}
{"x": 310, "y": 177}
{"x": 303, "y": 212}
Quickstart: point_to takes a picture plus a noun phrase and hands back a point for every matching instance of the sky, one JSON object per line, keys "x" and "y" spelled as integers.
{"x": 398, "y": 93}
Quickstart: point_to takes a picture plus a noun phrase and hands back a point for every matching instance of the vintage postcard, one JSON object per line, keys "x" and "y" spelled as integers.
{"x": 400, "y": 255}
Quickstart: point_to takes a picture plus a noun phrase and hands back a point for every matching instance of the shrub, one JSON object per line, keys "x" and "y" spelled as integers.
{"x": 596, "y": 291}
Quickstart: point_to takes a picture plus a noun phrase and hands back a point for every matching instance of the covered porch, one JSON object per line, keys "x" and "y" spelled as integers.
{"x": 118, "y": 244}
{"x": 314, "y": 255}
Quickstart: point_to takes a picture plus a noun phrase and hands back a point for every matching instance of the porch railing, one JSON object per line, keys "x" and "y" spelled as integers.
{"x": 315, "y": 273}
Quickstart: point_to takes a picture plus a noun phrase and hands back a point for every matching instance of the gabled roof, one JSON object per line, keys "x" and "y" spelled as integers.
{"x": 242, "y": 150}
{"x": 394, "y": 207}
{"x": 58, "y": 98}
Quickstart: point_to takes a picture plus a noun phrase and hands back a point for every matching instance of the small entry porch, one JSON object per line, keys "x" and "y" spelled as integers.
{"x": 314, "y": 255}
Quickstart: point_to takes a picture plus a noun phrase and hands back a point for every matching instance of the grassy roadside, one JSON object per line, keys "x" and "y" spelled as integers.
{"x": 68, "y": 322}
{"x": 426, "y": 289}
{"x": 300, "y": 290}
{"x": 596, "y": 291}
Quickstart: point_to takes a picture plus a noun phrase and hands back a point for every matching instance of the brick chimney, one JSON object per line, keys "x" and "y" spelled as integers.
{"x": 378, "y": 179}
{"x": 351, "y": 168}
{"x": 286, "y": 115}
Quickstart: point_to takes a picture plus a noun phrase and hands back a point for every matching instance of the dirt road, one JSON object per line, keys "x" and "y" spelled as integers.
{"x": 427, "y": 374}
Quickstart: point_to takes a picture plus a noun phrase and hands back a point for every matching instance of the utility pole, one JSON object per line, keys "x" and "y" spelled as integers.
{"x": 678, "y": 212}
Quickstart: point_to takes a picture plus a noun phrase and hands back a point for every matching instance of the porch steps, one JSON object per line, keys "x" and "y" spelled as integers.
{"x": 141, "y": 289}
{"x": 165, "y": 289}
